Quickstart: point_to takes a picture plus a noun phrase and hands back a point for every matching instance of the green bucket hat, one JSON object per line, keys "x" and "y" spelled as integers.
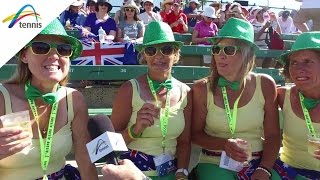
{"x": 236, "y": 28}
{"x": 305, "y": 41}
{"x": 157, "y": 32}
{"x": 55, "y": 28}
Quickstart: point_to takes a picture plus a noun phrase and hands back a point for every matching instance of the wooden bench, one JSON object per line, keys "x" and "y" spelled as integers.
{"x": 126, "y": 72}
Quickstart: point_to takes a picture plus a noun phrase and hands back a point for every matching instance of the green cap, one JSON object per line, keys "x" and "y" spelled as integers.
{"x": 307, "y": 40}
{"x": 55, "y": 28}
{"x": 236, "y": 28}
{"x": 157, "y": 32}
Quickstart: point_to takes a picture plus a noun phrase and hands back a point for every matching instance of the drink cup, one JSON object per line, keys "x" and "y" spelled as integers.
{"x": 157, "y": 105}
{"x": 246, "y": 146}
{"x": 313, "y": 143}
{"x": 22, "y": 120}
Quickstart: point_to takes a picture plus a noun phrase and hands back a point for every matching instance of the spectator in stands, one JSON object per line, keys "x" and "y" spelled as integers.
{"x": 119, "y": 15}
{"x": 131, "y": 29}
{"x": 101, "y": 19}
{"x": 91, "y": 6}
{"x": 236, "y": 10}
{"x": 177, "y": 19}
{"x": 38, "y": 87}
{"x": 253, "y": 123}
{"x": 285, "y": 22}
{"x": 153, "y": 111}
{"x": 148, "y": 16}
{"x": 166, "y": 7}
{"x": 205, "y": 29}
{"x": 294, "y": 29}
{"x": 300, "y": 107}
{"x": 217, "y": 7}
{"x": 73, "y": 16}
{"x": 309, "y": 10}
{"x": 192, "y": 12}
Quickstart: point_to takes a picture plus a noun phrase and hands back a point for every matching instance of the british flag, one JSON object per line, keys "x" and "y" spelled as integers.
{"x": 95, "y": 53}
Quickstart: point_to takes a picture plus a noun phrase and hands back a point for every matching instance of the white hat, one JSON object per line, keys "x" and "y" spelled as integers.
{"x": 209, "y": 12}
{"x": 77, "y": 3}
{"x": 194, "y": 1}
{"x": 144, "y": 1}
{"x": 131, "y": 4}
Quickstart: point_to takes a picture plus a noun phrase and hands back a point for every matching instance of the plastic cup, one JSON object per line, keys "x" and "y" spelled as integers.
{"x": 157, "y": 105}
{"x": 246, "y": 146}
{"x": 313, "y": 143}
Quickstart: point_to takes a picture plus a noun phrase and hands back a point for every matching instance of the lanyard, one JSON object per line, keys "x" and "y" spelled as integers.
{"x": 232, "y": 119}
{"x": 306, "y": 115}
{"x": 45, "y": 147}
{"x": 164, "y": 117}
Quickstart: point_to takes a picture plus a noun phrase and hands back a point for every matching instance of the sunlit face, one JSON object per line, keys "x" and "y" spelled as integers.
{"x": 129, "y": 12}
{"x": 103, "y": 7}
{"x": 176, "y": 7}
{"x": 168, "y": 6}
{"x": 148, "y": 6}
{"x": 228, "y": 66}
{"x": 75, "y": 9}
{"x": 92, "y": 6}
{"x": 51, "y": 67}
{"x": 304, "y": 68}
{"x": 162, "y": 59}
{"x": 208, "y": 19}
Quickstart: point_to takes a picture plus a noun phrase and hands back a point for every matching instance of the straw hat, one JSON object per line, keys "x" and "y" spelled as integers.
{"x": 166, "y": 2}
{"x": 131, "y": 4}
{"x": 216, "y": 3}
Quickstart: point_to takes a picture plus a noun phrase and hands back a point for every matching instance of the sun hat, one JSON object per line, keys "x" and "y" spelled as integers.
{"x": 236, "y": 28}
{"x": 151, "y": 1}
{"x": 55, "y": 28}
{"x": 157, "y": 32}
{"x": 216, "y": 3}
{"x": 131, "y": 4}
{"x": 209, "y": 12}
{"x": 194, "y": 1}
{"x": 237, "y": 8}
{"x": 104, "y": 1}
{"x": 77, "y": 3}
{"x": 166, "y": 2}
{"x": 305, "y": 41}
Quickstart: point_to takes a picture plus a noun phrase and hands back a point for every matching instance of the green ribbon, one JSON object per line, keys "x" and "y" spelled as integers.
{"x": 33, "y": 93}
{"x": 158, "y": 85}
{"x": 310, "y": 103}
{"x": 222, "y": 82}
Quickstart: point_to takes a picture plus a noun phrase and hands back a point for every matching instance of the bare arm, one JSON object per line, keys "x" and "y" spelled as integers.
{"x": 117, "y": 16}
{"x": 271, "y": 127}
{"x": 199, "y": 114}
{"x": 80, "y": 136}
{"x": 112, "y": 34}
{"x": 197, "y": 40}
{"x": 184, "y": 140}
{"x": 119, "y": 35}
{"x": 141, "y": 33}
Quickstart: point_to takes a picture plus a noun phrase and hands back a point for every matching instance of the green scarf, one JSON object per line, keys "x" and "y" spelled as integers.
{"x": 158, "y": 85}
{"x": 310, "y": 103}
{"x": 32, "y": 93}
{"x": 222, "y": 82}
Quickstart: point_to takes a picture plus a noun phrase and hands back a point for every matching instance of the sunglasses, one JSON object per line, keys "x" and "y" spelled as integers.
{"x": 129, "y": 9}
{"x": 166, "y": 50}
{"x": 227, "y": 50}
{"x": 43, "y": 48}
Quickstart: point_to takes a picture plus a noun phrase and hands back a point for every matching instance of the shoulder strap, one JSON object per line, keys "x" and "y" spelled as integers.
{"x": 7, "y": 99}
{"x": 70, "y": 104}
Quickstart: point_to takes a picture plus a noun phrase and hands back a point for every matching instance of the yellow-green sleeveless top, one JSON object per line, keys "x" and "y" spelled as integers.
{"x": 295, "y": 140}
{"x": 249, "y": 124}
{"x": 150, "y": 141}
{"x": 27, "y": 166}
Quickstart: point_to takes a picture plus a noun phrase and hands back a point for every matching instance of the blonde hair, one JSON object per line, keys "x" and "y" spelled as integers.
{"x": 23, "y": 74}
{"x": 248, "y": 56}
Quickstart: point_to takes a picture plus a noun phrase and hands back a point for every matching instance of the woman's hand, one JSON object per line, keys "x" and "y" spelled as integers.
{"x": 260, "y": 175}
{"x": 125, "y": 170}
{"x": 317, "y": 154}
{"x": 8, "y": 138}
{"x": 234, "y": 151}
{"x": 145, "y": 118}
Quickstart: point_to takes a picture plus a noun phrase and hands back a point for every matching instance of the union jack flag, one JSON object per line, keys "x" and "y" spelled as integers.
{"x": 95, "y": 53}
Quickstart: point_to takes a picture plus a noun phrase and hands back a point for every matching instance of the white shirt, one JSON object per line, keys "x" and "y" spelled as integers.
{"x": 147, "y": 19}
{"x": 310, "y": 4}
{"x": 285, "y": 26}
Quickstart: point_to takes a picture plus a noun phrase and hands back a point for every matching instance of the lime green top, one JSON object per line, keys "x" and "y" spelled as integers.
{"x": 295, "y": 139}
{"x": 27, "y": 165}
{"x": 150, "y": 141}
{"x": 249, "y": 124}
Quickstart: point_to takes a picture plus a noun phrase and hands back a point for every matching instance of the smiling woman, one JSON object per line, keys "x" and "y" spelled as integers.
{"x": 55, "y": 113}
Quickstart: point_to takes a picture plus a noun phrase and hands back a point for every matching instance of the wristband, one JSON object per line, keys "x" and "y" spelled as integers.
{"x": 131, "y": 133}
{"x": 265, "y": 170}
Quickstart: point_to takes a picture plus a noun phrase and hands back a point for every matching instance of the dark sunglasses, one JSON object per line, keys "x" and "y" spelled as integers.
{"x": 227, "y": 50}
{"x": 43, "y": 48}
{"x": 129, "y": 9}
{"x": 166, "y": 50}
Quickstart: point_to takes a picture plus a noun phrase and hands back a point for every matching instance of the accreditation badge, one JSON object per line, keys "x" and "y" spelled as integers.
{"x": 227, "y": 162}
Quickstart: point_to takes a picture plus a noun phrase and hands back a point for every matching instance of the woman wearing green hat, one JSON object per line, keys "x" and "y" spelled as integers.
{"x": 300, "y": 104}
{"x": 153, "y": 111}
{"x": 235, "y": 116}
{"x": 44, "y": 119}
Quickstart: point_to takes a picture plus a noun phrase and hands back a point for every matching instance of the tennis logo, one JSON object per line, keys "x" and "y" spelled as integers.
{"x": 21, "y": 14}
